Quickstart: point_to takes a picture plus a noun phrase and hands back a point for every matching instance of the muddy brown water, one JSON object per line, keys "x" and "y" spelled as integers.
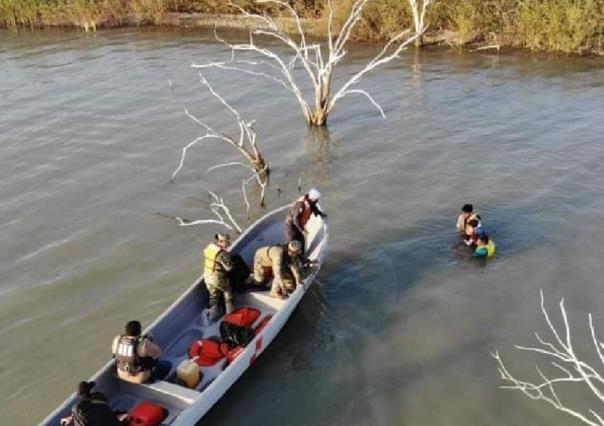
{"x": 396, "y": 330}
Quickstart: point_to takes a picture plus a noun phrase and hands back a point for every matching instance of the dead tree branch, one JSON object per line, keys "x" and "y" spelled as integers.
{"x": 245, "y": 143}
{"x": 222, "y": 213}
{"x": 561, "y": 355}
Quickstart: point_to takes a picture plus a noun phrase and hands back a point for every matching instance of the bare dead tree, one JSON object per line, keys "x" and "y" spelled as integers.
{"x": 419, "y": 8}
{"x": 561, "y": 355}
{"x": 318, "y": 66}
{"x": 222, "y": 213}
{"x": 245, "y": 143}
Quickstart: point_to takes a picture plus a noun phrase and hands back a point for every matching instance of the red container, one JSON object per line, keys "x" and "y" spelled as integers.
{"x": 147, "y": 414}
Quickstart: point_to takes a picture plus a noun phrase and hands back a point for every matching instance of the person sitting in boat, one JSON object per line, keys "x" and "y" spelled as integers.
{"x": 284, "y": 261}
{"x": 217, "y": 264}
{"x": 485, "y": 248}
{"x": 92, "y": 409}
{"x": 135, "y": 355}
{"x": 299, "y": 214}
{"x": 467, "y": 214}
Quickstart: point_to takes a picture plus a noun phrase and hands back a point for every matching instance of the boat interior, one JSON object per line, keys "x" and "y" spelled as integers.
{"x": 182, "y": 324}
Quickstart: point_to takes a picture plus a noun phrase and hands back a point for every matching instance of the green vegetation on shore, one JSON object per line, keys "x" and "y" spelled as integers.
{"x": 569, "y": 26}
{"x": 87, "y": 14}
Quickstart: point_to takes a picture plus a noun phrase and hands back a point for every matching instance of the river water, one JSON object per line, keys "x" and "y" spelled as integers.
{"x": 396, "y": 330}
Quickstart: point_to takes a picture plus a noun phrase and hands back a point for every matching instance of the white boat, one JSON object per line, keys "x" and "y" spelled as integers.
{"x": 181, "y": 324}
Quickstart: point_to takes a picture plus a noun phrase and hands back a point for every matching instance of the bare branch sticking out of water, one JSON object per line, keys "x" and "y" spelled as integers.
{"x": 223, "y": 215}
{"x": 245, "y": 143}
{"x": 560, "y": 354}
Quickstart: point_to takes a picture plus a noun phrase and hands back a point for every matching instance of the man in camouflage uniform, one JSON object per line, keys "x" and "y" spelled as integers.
{"x": 284, "y": 260}
{"x": 217, "y": 264}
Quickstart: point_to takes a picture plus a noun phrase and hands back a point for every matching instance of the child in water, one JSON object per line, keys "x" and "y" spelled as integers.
{"x": 474, "y": 229}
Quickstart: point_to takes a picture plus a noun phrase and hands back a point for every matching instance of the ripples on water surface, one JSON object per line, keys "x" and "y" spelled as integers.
{"x": 397, "y": 331}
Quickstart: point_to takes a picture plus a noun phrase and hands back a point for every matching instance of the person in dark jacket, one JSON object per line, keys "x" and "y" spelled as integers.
{"x": 92, "y": 409}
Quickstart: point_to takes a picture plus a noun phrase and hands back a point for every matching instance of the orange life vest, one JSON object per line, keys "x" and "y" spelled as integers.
{"x": 300, "y": 211}
{"x": 306, "y": 213}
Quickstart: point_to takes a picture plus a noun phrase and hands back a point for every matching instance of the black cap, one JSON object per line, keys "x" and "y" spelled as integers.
{"x": 84, "y": 388}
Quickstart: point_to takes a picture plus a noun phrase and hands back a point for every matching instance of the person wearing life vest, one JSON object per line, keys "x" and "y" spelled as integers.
{"x": 217, "y": 264}
{"x": 135, "y": 355}
{"x": 299, "y": 214}
{"x": 475, "y": 229}
{"x": 284, "y": 260}
{"x": 467, "y": 214}
{"x": 92, "y": 409}
{"x": 485, "y": 248}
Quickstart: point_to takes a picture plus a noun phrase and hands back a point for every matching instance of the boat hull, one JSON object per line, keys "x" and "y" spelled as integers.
{"x": 181, "y": 324}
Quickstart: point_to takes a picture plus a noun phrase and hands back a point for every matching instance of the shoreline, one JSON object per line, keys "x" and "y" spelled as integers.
{"x": 313, "y": 27}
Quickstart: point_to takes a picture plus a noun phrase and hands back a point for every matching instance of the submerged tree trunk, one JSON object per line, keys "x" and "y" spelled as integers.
{"x": 319, "y": 117}
{"x": 322, "y": 98}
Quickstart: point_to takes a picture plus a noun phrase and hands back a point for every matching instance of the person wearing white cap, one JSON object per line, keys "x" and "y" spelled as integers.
{"x": 299, "y": 214}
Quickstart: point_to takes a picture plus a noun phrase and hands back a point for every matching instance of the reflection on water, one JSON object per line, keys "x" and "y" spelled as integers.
{"x": 319, "y": 147}
{"x": 397, "y": 329}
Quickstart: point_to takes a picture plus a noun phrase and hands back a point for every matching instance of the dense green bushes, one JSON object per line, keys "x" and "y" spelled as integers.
{"x": 574, "y": 26}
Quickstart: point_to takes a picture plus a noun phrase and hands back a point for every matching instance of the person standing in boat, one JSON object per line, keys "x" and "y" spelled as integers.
{"x": 92, "y": 409}
{"x": 135, "y": 355}
{"x": 299, "y": 214}
{"x": 284, "y": 261}
{"x": 217, "y": 264}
